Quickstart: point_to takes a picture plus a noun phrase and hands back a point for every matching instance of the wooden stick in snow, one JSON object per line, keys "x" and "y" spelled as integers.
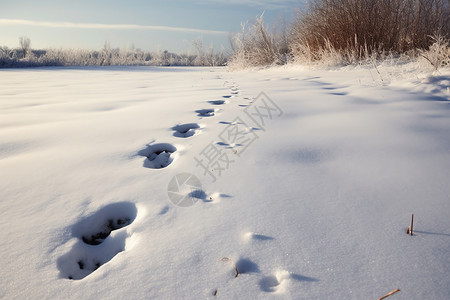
{"x": 410, "y": 228}
{"x": 412, "y": 221}
{"x": 391, "y": 293}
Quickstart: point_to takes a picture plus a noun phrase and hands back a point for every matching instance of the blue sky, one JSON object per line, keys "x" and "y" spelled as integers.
{"x": 149, "y": 25}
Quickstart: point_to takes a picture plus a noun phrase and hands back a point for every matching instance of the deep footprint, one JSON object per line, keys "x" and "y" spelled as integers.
{"x": 205, "y": 112}
{"x": 105, "y": 230}
{"x": 185, "y": 130}
{"x": 158, "y": 156}
{"x": 245, "y": 266}
{"x": 94, "y": 248}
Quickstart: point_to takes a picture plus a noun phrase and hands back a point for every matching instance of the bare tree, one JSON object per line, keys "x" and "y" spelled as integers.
{"x": 25, "y": 45}
{"x": 198, "y": 45}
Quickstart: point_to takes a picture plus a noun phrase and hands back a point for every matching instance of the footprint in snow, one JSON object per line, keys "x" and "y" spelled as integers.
{"x": 217, "y": 102}
{"x": 185, "y": 130}
{"x": 278, "y": 282}
{"x": 274, "y": 283}
{"x": 97, "y": 244}
{"x": 246, "y": 266}
{"x": 158, "y": 156}
{"x": 242, "y": 266}
{"x": 208, "y": 112}
{"x": 257, "y": 237}
{"x": 338, "y": 94}
{"x": 216, "y": 197}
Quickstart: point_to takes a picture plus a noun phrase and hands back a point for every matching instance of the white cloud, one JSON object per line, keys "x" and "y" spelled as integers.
{"x": 267, "y": 4}
{"x": 106, "y": 26}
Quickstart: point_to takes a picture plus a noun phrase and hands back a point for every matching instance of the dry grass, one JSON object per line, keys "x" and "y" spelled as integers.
{"x": 438, "y": 54}
{"x": 256, "y": 45}
{"x": 342, "y": 32}
{"x": 359, "y": 28}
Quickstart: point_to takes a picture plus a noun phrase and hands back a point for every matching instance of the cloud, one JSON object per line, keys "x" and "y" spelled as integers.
{"x": 267, "y": 4}
{"x": 107, "y": 26}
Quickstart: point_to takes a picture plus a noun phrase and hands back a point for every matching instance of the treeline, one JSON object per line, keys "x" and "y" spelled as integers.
{"x": 349, "y": 31}
{"x": 25, "y": 56}
{"x": 331, "y": 32}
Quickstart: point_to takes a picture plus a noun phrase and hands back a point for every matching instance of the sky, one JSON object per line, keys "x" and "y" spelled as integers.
{"x": 149, "y": 25}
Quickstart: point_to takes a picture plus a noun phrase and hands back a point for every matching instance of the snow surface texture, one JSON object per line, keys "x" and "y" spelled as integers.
{"x": 310, "y": 200}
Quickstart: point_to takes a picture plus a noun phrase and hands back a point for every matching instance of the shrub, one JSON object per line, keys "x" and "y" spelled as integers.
{"x": 438, "y": 54}
{"x": 357, "y": 29}
{"x": 255, "y": 46}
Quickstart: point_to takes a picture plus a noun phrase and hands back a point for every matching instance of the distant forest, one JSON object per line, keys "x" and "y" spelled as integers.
{"x": 25, "y": 56}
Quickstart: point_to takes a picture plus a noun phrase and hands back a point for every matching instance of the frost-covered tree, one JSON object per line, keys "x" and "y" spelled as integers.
{"x": 198, "y": 46}
{"x": 255, "y": 45}
{"x": 107, "y": 56}
{"x": 25, "y": 45}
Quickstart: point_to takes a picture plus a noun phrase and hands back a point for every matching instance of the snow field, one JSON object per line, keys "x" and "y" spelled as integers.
{"x": 316, "y": 207}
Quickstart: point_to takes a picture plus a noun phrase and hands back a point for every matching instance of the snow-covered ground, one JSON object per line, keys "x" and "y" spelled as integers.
{"x": 308, "y": 188}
